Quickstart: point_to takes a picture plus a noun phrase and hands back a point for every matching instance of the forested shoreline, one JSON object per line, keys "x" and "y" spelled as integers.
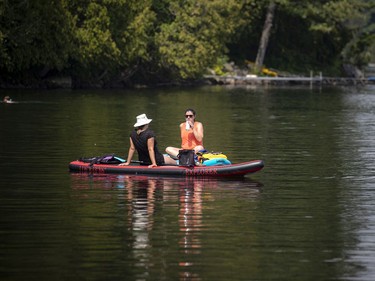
{"x": 128, "y": 43}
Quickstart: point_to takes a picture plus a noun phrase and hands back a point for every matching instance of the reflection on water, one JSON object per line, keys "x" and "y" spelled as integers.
{"x": 150, "y": 199}
{"x": 190, "y": 221}
{"x": 141, "y": 201}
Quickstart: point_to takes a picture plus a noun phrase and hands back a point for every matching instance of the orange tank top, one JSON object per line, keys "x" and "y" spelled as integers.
{"x": 188, "y": 139}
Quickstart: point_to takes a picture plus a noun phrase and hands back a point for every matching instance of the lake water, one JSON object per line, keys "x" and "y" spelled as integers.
{"x": 308, "y": 215}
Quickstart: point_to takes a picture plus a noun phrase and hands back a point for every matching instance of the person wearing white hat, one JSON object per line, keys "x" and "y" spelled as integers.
{"x": 144, "y": 141}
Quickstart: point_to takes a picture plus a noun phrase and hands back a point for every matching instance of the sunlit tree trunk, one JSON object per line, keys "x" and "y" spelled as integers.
{"x": 265, "y": 36}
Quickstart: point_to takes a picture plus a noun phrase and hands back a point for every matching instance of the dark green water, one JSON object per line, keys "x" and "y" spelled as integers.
{"x": 308, "y": 215}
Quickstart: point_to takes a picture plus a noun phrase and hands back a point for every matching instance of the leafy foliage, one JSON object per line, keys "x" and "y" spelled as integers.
{"x": 311, "y": 35}
{"x": 197, "y": 36}
{"x": 109, "y": 42}
{"x": 111, "y": 36}
{"x": 35, "y": 35}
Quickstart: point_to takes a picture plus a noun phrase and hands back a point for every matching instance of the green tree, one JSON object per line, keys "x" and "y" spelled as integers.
{"x": 197, "y": 36}
{"x": 122, "y": 42}
{"x": 347, "y": 22}
{"x": 305, "y": 34}
{"x": 35, "y": 37}
{"x": 96, "y": 52}
{"x": 111, "y": 37}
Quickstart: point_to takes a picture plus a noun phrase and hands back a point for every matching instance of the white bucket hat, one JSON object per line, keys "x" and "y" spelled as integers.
{"x": 142, "y": 120}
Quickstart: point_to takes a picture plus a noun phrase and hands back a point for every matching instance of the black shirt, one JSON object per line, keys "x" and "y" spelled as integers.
{"x": 140, "y": 143}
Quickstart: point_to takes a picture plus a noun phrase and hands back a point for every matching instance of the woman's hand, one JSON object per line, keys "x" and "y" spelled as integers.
{"x": 152, "y": 165}
{"x": 191, "y": 123}
{"x": 124, "y": 164}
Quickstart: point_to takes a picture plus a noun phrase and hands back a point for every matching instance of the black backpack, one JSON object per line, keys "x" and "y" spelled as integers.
{"x": 186, "y": 158}
{"x": 106, "y": 159}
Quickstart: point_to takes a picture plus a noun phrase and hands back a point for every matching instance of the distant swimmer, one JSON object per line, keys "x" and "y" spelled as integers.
{"x": 7, "y": 99}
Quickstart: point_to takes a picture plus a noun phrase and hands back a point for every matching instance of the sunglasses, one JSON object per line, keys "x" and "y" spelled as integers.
{"x": 189, "y": 116}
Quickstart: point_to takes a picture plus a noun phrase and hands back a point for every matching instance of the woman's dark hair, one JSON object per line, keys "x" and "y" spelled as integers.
{"x": 190, "y": 109}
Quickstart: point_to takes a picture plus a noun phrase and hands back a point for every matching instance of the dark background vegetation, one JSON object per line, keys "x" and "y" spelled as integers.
{"x": 123, "y": 43}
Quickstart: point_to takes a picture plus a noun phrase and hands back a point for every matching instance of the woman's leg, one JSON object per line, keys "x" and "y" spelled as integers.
{"x": 172, "y": 151}
{"x": 169, "y": 161}
{"x": 198, "y": 148}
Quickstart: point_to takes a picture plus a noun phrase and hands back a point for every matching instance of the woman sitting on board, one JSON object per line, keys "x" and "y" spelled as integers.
{"x": 191, "y": 134}
{"x": 143, "y": 140}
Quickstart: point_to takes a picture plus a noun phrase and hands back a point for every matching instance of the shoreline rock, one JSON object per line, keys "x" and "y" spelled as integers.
{"x": 282, "y": 81}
